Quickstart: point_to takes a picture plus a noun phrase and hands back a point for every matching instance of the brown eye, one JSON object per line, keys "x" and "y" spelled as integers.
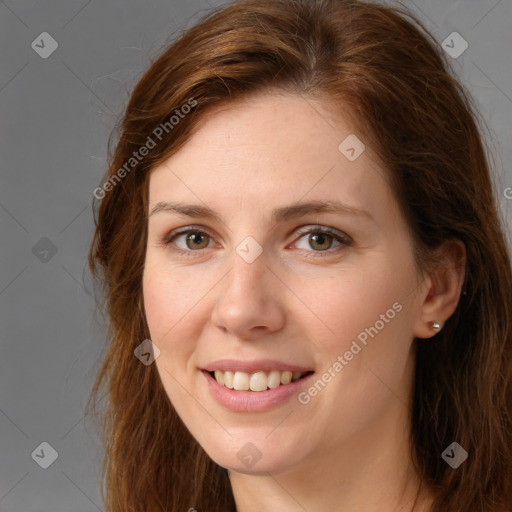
{"x": 188, "y": 240}
{"x": 319, "y": 243}
{"x": 196, "y": 240}
{"x": 322, "y": 241}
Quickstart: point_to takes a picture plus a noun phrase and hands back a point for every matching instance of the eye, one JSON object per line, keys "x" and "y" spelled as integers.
{"x": 193, "y": 240}
{"x": 321, "y": 239}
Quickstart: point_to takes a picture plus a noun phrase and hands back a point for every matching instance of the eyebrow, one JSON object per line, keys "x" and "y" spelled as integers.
{"x": 282, "y": 214}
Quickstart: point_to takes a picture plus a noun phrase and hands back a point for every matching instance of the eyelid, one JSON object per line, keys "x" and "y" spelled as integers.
{"x": 314, "y": 228}
{"x": 168, "y": 238}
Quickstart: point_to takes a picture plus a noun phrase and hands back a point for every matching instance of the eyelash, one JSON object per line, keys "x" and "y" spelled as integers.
{"x": 344, "y": 240}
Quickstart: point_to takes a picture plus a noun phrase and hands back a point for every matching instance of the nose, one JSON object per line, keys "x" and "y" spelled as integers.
{"x": 249, "y": 304}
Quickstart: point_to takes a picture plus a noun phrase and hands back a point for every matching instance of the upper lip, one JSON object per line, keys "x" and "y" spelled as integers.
{"x": 265, "y": 365}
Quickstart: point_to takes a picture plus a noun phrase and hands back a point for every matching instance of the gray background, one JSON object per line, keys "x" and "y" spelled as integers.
{"x": 55, "y": 118}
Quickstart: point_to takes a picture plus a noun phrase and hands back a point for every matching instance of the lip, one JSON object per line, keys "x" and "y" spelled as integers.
{"x": 265, "y": 365}
{"x": 253, "y": 401}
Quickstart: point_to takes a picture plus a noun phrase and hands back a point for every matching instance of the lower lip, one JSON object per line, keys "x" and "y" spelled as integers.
{"x": 253, "y": 401}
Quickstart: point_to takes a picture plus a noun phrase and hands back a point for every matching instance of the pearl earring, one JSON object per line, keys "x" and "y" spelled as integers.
{"x": 436, "y": 326}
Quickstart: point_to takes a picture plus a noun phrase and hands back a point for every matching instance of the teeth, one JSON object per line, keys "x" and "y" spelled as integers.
{"x": 258, "y": 381}
{"x": 274, "y": 379}
{"x": 219, "y": 376}
{"x": 286, "y": 377}
{"x": 241, "y": 381}
{"x": 228, "y": 378}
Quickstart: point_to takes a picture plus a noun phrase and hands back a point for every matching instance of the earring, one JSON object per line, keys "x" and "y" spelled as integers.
{"x": 436, "y": 326}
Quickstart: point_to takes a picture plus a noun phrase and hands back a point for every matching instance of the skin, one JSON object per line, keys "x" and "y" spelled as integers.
{"x": 347, "y": 449}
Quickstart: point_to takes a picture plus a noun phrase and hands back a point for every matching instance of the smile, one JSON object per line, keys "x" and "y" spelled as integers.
{"x": 257, "y": 381}
{"x": 257, "y": 386}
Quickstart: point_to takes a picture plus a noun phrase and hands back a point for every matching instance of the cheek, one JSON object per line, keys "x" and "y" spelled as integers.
{"x": 347, "y": 304}
{"x": 171, "y": 307}
{"x": 169, "y": 294}
{"x": 168, "y": 308}
{"x": 369, "y": 320}
{"x": 159, "y": 303}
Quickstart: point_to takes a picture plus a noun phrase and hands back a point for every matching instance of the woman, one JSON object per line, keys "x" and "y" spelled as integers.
{"x": 299, "y": 229}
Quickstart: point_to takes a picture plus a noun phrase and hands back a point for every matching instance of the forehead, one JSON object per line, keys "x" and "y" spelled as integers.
{"x": 277, "y": 124}
{"x": 272, "y": 147}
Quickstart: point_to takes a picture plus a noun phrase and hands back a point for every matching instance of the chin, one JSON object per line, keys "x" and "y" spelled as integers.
{"x": 254, "y": 458}
{"x": 260, "y": 468}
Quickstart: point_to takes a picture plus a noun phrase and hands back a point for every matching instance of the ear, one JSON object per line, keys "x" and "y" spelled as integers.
{"x": 443, "y": 290}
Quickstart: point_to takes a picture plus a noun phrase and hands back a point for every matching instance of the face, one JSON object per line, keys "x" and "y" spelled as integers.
{"x": 265, "y": 291}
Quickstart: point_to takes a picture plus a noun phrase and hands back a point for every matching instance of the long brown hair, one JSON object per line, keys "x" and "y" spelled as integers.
{"x": 381, "y": 63}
